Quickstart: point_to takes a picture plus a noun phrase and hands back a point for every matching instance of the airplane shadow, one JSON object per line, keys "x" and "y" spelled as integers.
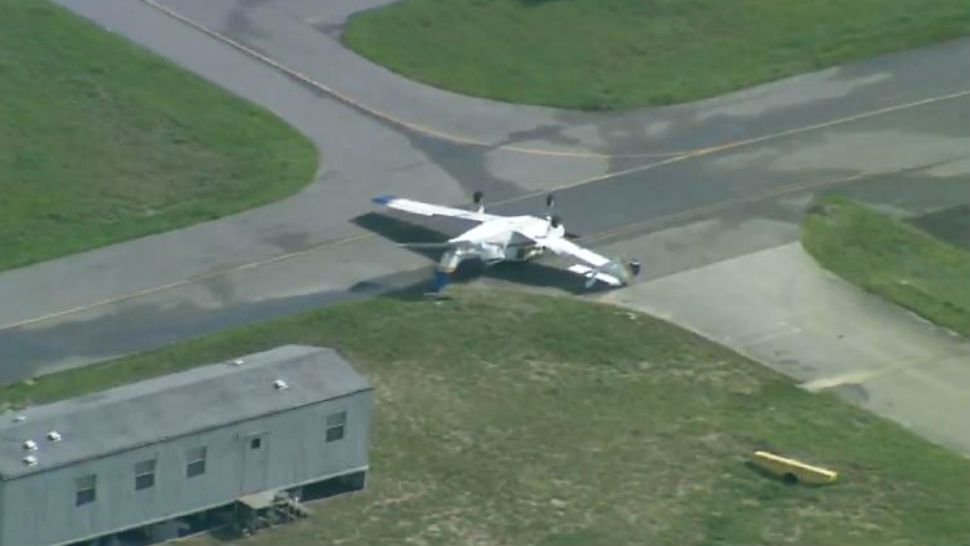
{"x": 533, "y": 273}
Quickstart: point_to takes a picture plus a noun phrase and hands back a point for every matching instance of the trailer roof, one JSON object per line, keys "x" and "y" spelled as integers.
{"x": 169, "y": 406}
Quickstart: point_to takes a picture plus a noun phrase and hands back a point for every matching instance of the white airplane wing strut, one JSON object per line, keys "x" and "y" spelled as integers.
{"x": 596, "y": 267}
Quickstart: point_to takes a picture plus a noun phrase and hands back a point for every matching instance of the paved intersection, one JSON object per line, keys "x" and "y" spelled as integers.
{"x": 687, "y": 188}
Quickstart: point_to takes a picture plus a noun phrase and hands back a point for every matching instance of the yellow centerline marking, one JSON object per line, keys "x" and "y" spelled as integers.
{"x": 187, "y": 281}
{"x": 347, "y": 99}
{"x": 769, "y": 193}
{"x": 525, "y": 150}
{"x": 677, "y": 156}
{"x": 860, "y": 377}
{"x": 725, "y": 204}
{"x": 746, "y": 142}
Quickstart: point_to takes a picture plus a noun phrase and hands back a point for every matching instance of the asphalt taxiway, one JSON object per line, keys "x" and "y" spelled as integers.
{"x": 688, "y": 189}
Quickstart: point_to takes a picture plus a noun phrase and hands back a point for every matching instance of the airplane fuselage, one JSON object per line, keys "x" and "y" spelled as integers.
{"x": 506, "y": 239}
{"x": 517, "y": 238}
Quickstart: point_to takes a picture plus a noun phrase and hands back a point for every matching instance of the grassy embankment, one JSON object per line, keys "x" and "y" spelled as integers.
{"x": 614, "y": 54}
{"x": 893, "y": 259}
{"x": 102, "y": 141}
{"x": 504, "y": 418}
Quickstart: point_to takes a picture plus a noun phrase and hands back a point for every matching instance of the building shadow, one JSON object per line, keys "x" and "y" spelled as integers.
{"x": 785, "y": 479}
{"x": 401, "y": 232}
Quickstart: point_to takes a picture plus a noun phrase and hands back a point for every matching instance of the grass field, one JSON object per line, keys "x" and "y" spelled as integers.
{"x": 101, "y": 141}
{"x": 504, "y": 418}
{"x": 893, "y": 259}
{"x": 612, "y": 54}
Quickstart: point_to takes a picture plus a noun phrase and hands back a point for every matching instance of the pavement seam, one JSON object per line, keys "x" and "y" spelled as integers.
{"x": 860, "y": 377}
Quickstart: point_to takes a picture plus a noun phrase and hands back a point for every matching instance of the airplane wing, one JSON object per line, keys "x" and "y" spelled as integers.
{"x": 427, "y": 209}
{"x": 599, "y": 267}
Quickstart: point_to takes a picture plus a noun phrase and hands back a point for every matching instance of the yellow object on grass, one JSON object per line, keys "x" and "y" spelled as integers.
{"x": 793, "y": 470}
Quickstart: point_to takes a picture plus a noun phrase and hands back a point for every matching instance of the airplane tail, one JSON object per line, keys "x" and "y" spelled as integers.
{"x": 455, "y": 253}
{"x": 446, "y": 265}
{"x": 441, "y": 280}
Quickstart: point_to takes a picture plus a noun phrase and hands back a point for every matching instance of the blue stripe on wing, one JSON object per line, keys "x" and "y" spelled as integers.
{"x": 384, "y": 199}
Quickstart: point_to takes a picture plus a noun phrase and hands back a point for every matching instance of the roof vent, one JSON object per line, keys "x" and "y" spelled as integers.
{"x": 238, "y": 362}
{"x": 30, "y": 445}
{"x": 280, "y": 385}
{"x": 30, "y": 460}
{"x": 54, "y": 436}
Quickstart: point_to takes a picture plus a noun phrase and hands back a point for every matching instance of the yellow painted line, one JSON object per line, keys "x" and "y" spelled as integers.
{"x": 525, "y": 150}
{"x": 184, "y": 282}
{"x": 441, "y": 135}
{"x": 770, "y": 193}
{"x": 599, "y": 178}
{"x": 739, "y": 143}
{"x": 839, "y": 121}
{"x": 777, "y": 191}
{"x": 911, "y": 367}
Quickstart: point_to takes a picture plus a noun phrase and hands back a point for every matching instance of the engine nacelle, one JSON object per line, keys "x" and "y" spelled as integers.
{"x": 491, "y": 253}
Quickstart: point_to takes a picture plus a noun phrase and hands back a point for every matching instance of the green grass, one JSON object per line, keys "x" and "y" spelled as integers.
{"x": 892, "y": 259}
{"x": 613, "y": 54}
{"x": 503, "y": 418}
{"x": 101, "y": 141}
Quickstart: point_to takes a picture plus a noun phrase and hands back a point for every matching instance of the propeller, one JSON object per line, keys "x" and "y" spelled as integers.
{"x": 556, "y": 220}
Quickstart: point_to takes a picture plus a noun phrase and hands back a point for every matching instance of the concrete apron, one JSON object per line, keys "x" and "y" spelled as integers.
{"x": 778, "y": 307}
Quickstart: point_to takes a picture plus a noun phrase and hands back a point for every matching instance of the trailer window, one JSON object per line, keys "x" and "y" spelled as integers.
{"x": 196, "y": 462}
{"x": 145, "y": 474}
{"x": 85, "y": 492}
{"x": 335, "y": 426}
